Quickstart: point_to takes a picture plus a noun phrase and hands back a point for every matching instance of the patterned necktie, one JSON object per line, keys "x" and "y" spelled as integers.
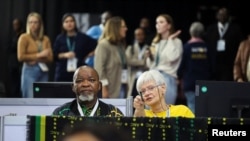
{"x": 86, "y": 111}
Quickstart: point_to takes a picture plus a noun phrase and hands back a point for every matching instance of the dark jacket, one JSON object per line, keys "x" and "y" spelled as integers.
{"x": 195, "y": 65}
{"x": 70, "y": 109}
{"x": 223, "y": 61}
{"x": 83, "y": 46}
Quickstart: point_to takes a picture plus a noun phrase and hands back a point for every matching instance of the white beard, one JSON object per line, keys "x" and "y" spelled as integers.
{"x": 86, "y": 97}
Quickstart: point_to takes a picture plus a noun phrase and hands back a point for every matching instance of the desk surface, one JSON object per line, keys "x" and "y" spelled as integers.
{"x": 45, "y": 106}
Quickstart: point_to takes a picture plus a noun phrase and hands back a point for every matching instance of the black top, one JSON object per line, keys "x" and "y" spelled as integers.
{"x": 83, "y": 46}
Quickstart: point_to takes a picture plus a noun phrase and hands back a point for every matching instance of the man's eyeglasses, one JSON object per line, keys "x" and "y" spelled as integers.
{"x": 149, "y": 89}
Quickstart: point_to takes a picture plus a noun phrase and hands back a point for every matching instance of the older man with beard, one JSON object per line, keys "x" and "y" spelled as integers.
{"x": 86, "y": 86}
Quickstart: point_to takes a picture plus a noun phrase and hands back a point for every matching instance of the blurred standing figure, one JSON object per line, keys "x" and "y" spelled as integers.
{"x": 95, "y": 32}
{"x": 145, "y": 24}
{"x": 242, "y": 63}
{"x": 34, "y": 50}
{"x": 195, "y": 64}
{"x": 136, "y": 59}
{"x": 14, "y": 66}
{"x": 110, "y": 58}
{"x": 70, "y": 49}
{"x": 223, "y": 38}
{"x": 166, "y": 53}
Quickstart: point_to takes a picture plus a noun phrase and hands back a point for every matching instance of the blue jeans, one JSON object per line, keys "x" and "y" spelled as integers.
{"x": 190, "y": 97}
{"x": 171, "y": 93}
{"x": 30, "y": 74}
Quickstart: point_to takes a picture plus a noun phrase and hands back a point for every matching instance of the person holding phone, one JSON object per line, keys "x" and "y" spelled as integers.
{"x": 151, "y": 87}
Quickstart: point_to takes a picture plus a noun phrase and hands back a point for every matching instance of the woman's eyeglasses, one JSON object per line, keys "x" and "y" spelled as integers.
{"x": 149, "y": 89}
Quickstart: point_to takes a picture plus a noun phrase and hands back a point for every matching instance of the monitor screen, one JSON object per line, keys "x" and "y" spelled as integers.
{"x": 222, "y": 99}
{"x": 53, "y": 90}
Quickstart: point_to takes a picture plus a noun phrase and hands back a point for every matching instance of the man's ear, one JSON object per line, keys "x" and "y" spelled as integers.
{"x": 100, "y": 85}
{"x": 99, "y": 94}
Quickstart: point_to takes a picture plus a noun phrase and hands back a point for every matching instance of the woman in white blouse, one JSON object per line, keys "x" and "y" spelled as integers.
{"x": 165, "y": 54}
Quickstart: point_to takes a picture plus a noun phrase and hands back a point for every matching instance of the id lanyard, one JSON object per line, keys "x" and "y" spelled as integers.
{"x": 122, "y": 56}
{"x": 222, "y": 32}
{"x": 39, "y": 46}
{"x": 71, "y": 47}
{"x": 92, "y": 112}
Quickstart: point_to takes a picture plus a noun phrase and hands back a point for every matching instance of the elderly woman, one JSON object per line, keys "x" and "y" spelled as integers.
{"x": 151, "y": 86}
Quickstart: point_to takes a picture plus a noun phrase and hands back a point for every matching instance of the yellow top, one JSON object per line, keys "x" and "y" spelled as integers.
{"x": 174, "y": 111}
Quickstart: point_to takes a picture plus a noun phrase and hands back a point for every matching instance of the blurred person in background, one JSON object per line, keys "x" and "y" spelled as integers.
{"x": 146, "y": 25}
{"x": 34, "y": 50}
{"x": 223, "y": 39}
{"x": 195, "y": 64}
{"x": 136, "y": 56}
{"x": 14, "y": 66}
{"x": 242, "y": 63}
{"x": 165, "y": 54}
{"x": 71, "y": 47}
{"x": 95, "y": 32}
{"x": 110, "y": 59}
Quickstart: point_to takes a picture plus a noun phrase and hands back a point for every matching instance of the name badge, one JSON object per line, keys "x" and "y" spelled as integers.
{"x": 43, "y": 67}
{"x": 124, "y": 78}
{"x": 221, "y": 45}
{"x": 71, "y": 64}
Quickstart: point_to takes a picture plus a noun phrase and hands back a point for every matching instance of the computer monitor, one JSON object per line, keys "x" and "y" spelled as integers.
{"x": 53, "y": 90}
{"x": 222, "y": 99}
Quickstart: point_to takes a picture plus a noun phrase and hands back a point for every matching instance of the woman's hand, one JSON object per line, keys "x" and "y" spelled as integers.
{"x": 138, "y": 103}
{"x": 139, "y": 106}
{"x": 43, "y": 54}
{"x": 174, "y": 35}
{"x": 149, "y": 54}
{"x": 69, "y": 55}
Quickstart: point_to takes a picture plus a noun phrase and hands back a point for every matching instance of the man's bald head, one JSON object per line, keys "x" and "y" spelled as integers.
{"x": 85, "y": 68}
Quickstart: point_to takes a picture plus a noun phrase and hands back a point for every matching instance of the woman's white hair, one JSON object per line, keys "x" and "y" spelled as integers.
{"x": 150, "y": 75}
